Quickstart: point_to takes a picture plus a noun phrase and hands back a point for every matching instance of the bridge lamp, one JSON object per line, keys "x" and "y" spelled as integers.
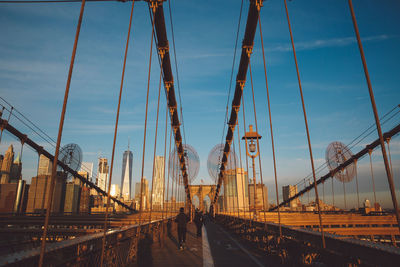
{"x": 251, "y": 137}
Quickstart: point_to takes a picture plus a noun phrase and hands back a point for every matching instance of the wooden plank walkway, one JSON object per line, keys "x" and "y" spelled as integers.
{"x": 216, "y": 248}
{"x": 168, "y": 254}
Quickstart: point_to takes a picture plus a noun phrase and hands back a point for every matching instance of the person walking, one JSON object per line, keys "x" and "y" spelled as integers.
{"x": 198, "y": 220}
{"x": 182, "y": 219}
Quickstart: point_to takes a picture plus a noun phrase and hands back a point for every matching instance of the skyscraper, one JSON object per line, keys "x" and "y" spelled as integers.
{"x": 16, "y": 170}
{"x": 289, "y": 191}
{"x": 102, "y": 174}
{"x": 126, "y": 178}
{"x": 145, "y": 194}
{"x": 45, "y": 165}
{"x": 87, "y": 167}
{"x": 6, "y": 165}
{"x": 158, "y": 183}
{"x": 236, "y": 191}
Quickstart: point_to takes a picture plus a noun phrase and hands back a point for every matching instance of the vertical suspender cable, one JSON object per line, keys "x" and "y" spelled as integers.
{"x": 270, "y": 127}
{"x": 236, "y": 179}
{"x": 378, "y": 124}
{"x": 247, "y": 160}
{"x": 308, "y": 134}
{"x": 37, "y": 175}
{"x": 333, "y": 194}
{"x": 358, "y": 195}
{"x": 242, "y": 173}
{"x": 60, "y": 129}
{"x": 145, "y": 122}
{"x": 344, "y": 195}
{"x": 258, "y": 142}
{"x": 372, "y": 175}
{"x": 9, "y": 116}
{"x": 390, "y": 157}
{"x": 155, "y": 145}
{"x": 115, "y": 136}
{"x": 165, "y": 156}
{"x": 172, "y": 181}
{"x": 170, "y": 137}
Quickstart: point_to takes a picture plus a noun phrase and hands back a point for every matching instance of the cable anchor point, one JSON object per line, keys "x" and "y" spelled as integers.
{"x": 249, "y": 49}
{"x": 154, "y": 5}
{"x": 241, "y": 83}
{"x": 259, "y": 4}
{"x": 162, "y": 51}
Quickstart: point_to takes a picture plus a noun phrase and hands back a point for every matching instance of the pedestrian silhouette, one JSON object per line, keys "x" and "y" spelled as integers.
{"x": 198, "y": 220}
{"x": 182, "y": 219}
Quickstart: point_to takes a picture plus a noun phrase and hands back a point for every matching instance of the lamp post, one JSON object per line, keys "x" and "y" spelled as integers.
{"x": 252, "y": 151}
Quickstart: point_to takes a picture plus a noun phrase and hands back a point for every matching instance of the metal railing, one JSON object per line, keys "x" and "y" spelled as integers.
{"x": 301, "y": 246}
{"x": 123, "y": 246}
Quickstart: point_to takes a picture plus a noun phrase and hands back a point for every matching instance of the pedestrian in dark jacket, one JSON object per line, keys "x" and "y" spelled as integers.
{"x": 198, "y": 220}
{"x": 182, "y": 219}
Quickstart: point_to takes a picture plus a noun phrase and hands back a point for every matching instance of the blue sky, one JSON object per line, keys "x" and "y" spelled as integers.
{"x": 36, "y": 43}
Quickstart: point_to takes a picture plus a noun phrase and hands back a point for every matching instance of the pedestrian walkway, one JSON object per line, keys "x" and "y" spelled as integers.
{"x": 216, "y": 248}
{"x": 168, "y": 254}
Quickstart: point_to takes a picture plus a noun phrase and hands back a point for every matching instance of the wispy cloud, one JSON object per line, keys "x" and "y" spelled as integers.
{"x": 93, "y": 129}
{"x": 321, "y": 43}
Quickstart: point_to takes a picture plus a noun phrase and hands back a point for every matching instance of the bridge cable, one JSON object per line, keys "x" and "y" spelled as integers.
{"x": 369, "y": 131}
{"x": 115, "y": 134}
{"x": 174, "y": 179}
{"x": 376, "y": 116}
{"x": 258, "y": 142}
{"x": 230, "y": 83}
{"x": 60, "y": 129}
{"x": 174, "y": 176}
{"x": 307, "y": 131}
{"x": 333, "y": 194}
{"x": 37, "y": 175}
{"x": 168, "y": 170}
{"x": 236, "y": 176}
{"x": 165, "y": 156}
{"x": 372, "y": 175}
{"x": 390, "y": 157}
{"x": 244, "y": 133}
{"x": 34, "y": 128}
{"x": 394, "y": 131}
{"x": 155, "y": 144}
{"x": 358, "y": 196}
{"x": 8, "y": 120}
{"x": 230, "y": 184}
{"x": 145, "y": 121}
{"x": 270, "y": 127}
{"x": 2, "y": 128}
{"x": 243, "y": 176}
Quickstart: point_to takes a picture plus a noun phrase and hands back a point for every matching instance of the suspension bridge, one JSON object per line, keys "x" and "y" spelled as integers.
{"x": 239, "y": 226}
